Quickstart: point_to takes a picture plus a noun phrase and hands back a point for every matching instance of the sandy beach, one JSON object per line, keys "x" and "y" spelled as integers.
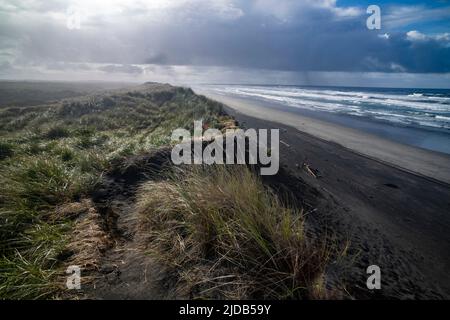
{"x": 424, "y": 162}
{"x": 389, "y": 200}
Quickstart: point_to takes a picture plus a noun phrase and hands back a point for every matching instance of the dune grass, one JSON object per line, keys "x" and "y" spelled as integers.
{"x": 52, "y": 155}
{"x": 222, "y": 234}
{"x": 219, "y": 232}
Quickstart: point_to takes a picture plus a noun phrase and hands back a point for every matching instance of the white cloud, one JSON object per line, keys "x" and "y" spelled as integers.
{"x": 415, "y": 35}
{"x": 442, "y": 38}
{"x": 397, "y": 67}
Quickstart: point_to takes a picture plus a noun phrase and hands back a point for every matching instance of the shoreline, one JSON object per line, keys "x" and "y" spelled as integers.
{"x": 414, "y": 160}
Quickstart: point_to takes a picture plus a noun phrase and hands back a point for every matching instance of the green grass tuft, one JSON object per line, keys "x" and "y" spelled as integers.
{"x": 6, "y": 150}
{"x": 57, "y": 132}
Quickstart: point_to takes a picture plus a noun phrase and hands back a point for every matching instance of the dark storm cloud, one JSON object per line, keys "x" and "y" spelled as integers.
{"x": 308, "y": 38}
{"x": 63, "y": 66}
{"x": 6, "y": 67}
{"x": 266, "y": 34}
{"x": 123, "y": 68}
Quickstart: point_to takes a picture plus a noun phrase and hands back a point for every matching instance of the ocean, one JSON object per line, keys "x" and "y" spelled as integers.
{"x": 417, "y": 117}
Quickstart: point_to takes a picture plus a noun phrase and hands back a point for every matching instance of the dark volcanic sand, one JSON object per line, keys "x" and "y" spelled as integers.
{"x": 394, "y": 219}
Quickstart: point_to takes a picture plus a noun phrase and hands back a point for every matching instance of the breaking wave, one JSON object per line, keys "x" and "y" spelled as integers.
{"x": 430, "y": 109}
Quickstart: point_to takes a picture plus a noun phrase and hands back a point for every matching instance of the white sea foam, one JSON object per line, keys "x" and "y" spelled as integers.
{"x": 430, "y": 110}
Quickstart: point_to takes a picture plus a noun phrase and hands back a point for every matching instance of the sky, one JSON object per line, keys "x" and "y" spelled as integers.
{"x": 306, "y": 42}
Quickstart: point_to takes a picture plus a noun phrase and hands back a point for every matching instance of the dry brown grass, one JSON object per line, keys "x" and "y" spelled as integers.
{"x": 88, "y": 239}
{"x": 221, "y": 234}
